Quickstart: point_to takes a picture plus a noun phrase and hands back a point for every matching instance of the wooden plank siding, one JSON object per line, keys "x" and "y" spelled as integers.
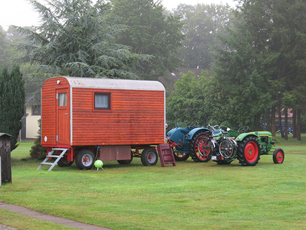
{"x": 136, "y": 117}
{"x": 48, "y": 109}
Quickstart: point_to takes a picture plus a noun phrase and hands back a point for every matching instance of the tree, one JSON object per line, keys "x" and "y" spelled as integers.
{"x": 3, "y": 47}
{"x": 77, "y": 38}
{"x": 290, "y": 36}
{"x": 202, "y": 25}
{"x": 266, "y": 65}
{"x": 6, "y": 52}
{"x": 11, "y": 102}
{"x": 188, "y": 102}
{"x": 243, "y": 68}
{"x": 149, "y": 31}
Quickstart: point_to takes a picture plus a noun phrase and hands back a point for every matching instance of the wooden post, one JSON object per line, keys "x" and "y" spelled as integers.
{"x": 5, "y": 154}
{"x": 0, "y": 173}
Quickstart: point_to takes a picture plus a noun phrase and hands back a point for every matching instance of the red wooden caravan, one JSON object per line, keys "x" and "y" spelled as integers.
{"x": 88, "y": 118}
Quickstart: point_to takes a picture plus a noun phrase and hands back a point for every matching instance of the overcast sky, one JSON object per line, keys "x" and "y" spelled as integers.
{"x": 20, "y": 12}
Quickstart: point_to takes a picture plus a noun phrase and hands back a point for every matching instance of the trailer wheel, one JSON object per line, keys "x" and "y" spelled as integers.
{"x": 149, "y": 157}
{"x": 200, "y": 147}
{"x": 126, "y": 162}
{"x": 85, "y": 159}
{"x": 64, "y": 163}
{"x": 248, "y": 151}
{"x": 278, "y": 156}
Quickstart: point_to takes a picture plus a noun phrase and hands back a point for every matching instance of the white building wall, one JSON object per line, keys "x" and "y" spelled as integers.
{"x": 31, "y": 123}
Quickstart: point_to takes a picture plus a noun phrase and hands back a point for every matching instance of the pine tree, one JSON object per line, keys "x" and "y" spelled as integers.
{"x": 12, "y": 98}
{"x": 243, "y": 68}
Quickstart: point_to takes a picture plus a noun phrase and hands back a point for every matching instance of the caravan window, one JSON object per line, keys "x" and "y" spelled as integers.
{"x": 102, "y": 101}
{"x": 62, "y": 99}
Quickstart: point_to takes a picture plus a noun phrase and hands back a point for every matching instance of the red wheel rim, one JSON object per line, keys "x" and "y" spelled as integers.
{"x": 87, "y": 160}
{"x": 202, "y": 147}
{"x": 251, "y": 151}
{"x": 279, "y": 157}
{"x": 180, "y": 155}
{"x": 151, "y": 157}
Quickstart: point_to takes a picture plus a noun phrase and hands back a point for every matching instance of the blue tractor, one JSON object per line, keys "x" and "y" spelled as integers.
{"x": 188, "y": 141}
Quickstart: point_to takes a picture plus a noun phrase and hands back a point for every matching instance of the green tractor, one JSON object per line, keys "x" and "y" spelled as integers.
{"x": 226, "y": 145}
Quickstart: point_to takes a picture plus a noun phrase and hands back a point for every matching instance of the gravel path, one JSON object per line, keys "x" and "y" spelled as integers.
{"x": 45, "y": 217}
{"x": 4, "y": 227}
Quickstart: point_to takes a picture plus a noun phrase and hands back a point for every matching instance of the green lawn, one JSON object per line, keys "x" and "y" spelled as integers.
{"x": 188, "y": 196}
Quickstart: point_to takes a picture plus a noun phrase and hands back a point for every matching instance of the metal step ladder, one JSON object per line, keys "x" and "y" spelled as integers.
{"x": 49, "y": 155}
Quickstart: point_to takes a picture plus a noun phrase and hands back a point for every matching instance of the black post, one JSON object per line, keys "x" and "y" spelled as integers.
{"x": 5, "y": 154}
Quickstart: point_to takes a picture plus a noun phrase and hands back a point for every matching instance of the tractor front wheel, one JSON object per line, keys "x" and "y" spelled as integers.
{"x": 278, "y": 156}
{"x": 248, "y": 151}
{"x": 224, "y": 162}
{"x": 200, "y": 147}
{"x": 85, "y": 159}
{"x": 180, "y": 156}
{"x": 149, "y": 157}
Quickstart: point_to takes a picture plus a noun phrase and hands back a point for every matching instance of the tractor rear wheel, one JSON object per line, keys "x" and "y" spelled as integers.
{"x": 200, "y": 147}
{"x": 85, "y": 159}
{"x": 149, "y": 157}
{"x": 278, "y": 156}
{"x": 248, "y": 151}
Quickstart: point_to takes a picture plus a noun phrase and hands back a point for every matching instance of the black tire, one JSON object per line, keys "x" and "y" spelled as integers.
{"x": 224, "y": 162}
{"x": 278, "y": 156}
{"x": 64, "y": 163}
{"x": 180, "y": 156}
{"x": 149, "y": 157}
{"x": 200, "y": 147}
{"x": 228, "y": 149}
{"x": 126, "y": 162}
{"x": 248, "y": 151}
{"x": 85, "y": 159}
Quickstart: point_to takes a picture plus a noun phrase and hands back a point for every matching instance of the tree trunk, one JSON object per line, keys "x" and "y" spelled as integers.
{"x": 280, "y": 121}
{"x": 286, "y": 124}
{"x": 298, "y": 124}
{"x": 258, "y": 125}
{"x": 294, "y": 123}
{"x": 273, "y": 121}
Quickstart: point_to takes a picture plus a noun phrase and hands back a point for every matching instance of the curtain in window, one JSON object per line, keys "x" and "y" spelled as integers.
{"x": 101, "y": 101}
{"x": 62, "y": 99}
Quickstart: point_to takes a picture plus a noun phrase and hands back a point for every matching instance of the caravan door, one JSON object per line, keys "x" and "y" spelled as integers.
{"x": 62, "y": 116}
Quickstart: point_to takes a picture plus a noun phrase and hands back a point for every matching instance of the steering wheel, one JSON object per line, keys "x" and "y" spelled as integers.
{"x": 243, "y": 129}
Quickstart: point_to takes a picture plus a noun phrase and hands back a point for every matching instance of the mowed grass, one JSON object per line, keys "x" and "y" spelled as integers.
{"x": 188, "y": 196}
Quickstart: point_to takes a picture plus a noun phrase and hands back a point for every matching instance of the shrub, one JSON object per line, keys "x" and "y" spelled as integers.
{"x": 37, "y": 151}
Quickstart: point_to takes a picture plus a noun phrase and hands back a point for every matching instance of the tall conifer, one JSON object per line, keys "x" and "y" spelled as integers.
{"x": 12, "y": 98}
